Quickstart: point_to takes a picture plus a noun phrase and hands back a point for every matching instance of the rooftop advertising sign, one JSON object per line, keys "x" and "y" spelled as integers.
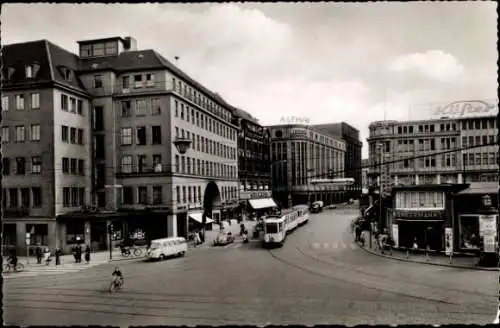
{"x": 463, "y": 109}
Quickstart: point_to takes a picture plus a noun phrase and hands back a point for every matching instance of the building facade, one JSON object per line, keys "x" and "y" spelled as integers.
{"x": 254, "y": 169}
{"x": 300, "y": 153}
{"x": 46, "y": 143}
{"x": 137, "y": 110}
{"x": 352, "y": 160}
{"x": 364, "y": 174}
{"x": 392, "y": 141}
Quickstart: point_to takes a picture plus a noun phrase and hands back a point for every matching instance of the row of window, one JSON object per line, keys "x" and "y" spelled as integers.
{"x": 99, "y": 49}
{"x": 479, "y": 124}
{"x": 471, "y": 141}
{"x": 427, "y": 128}
{"x": 22, "y": 197}
{"x": 20, "y": 133}
{"x": 73, "y": 196}
{"x": 192, "y": 194}
{"x": 21, "y": 102}
{"x": 199, "y": 99}
{"x": 71, "y": 104}
{"x": 72, "y": 135}
{"x": 141, "y": 136}
{"x": 490, "y": 158}
{"x": 141, "y": 107}
{"x": 73, "y": 166}
{"x": 187, "y": 165}
{"x": 206, "y": 145}
{"x": 193, "y": 116}
{"x": 419, "y": 199}
{"x": 20, "y": 165}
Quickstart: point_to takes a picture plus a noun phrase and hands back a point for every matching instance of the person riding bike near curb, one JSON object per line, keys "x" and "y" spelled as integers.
{"x": 118, "y": 274}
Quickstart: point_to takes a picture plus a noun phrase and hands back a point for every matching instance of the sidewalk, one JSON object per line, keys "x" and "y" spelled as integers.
{"x": 440, "y": 259}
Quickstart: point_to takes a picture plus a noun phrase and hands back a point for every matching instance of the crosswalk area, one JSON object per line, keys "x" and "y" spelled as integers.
{"x": 44, "y": 270}
{"x": 334, "y": 245}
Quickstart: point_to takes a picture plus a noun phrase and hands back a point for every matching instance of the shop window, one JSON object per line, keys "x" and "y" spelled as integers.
{"x": 75, "y": 232}
{"x": 469, "y": 231}
{"x": 38, "y": 234}
{"x": 9, "y": 234}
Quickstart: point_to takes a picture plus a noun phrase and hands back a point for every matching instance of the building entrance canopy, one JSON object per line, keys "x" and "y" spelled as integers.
{"x": 258, "y": 204}
{"x": 198, "y": 217}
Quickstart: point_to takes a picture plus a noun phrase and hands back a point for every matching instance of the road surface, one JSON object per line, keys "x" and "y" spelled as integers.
{"x": 318, "y": 277}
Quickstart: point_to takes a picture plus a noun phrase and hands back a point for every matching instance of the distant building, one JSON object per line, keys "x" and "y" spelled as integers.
{"x": 352, "y": 155}
{"x": 254, "y": 170}
{"x": 393, "y": 141}
{"x": 300, "y": 153}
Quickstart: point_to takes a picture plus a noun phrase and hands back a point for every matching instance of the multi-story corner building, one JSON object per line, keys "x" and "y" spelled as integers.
{"x": 46, "y": 144}
{"x": 352, "y": 160}
{"x": 143, "y": 113}
{"x": 254, "y": 169}
{"x": 300, "y": 153}
{"x": 391, "y": 142}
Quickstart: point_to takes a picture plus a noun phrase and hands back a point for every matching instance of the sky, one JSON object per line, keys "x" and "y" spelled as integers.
{"x": 316, "y": 62}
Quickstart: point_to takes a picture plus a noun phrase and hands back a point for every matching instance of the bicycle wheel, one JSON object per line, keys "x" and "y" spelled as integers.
{"x": 112, "y": 286}
{"x": 19, "y": 267}
{"x": 6, "y": 268}
{"x": 137, "y": 252}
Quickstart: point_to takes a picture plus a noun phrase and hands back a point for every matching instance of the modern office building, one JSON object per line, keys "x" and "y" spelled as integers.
{"x": 123, "y": 130}
{"x": 300, "y": 153}
{"x": 466, "y": 124}
{"x": 254, "y": 169}
{"x": 352, "y": 160}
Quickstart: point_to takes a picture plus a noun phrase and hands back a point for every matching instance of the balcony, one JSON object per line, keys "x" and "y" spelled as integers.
{"x": 146, "y": 171}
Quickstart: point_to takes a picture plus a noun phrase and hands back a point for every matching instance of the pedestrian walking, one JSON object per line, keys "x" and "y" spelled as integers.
{"x": 87, "y": 254}
{"x": 58, "y": 255}
{"x": 38, "y": 252}
{"x": 78, "y": 254}
{"x": 197, "y": 239}
{"x": 46, "y": 256}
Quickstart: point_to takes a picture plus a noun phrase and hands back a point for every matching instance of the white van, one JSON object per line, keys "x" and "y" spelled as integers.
{"x": 165, "y": 247}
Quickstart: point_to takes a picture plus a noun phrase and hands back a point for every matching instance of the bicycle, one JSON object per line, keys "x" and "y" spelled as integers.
{"x": 116, "y": 284}
{"x": 10, "y": 268}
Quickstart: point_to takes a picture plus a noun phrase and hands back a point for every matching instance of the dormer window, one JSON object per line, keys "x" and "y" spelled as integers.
{"x": 66, "y": 73}
{"x": 29, "y": 72}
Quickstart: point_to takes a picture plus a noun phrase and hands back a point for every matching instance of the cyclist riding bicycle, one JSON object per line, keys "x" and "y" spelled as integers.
{"x": 12, "y": 260}
{"x": 117, "y": 274}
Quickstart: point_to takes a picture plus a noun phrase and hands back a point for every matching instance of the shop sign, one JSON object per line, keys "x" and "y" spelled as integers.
{"x": 487, "y": 225}
{"x": 254, "y": 194}
{"x": 418, "y": 214}
{"x": 298, "y": 133}
{"x": 448, "y": 237}
{"x": 472, "y": 108}
{"x": 489, "y": 244}
{"x": 395, "y": 235}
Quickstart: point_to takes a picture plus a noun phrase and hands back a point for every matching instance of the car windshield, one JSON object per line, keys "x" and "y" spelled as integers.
{"x": 155, "y": 245}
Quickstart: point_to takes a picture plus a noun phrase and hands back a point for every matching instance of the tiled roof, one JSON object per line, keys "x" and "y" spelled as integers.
{"x": 50, "y": 58}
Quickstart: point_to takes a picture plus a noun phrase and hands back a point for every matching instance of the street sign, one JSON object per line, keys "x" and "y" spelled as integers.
{"x": 448, "y": 233}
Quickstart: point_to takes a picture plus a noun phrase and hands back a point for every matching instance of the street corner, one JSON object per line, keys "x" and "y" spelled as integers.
{"x": 443, "y": 261}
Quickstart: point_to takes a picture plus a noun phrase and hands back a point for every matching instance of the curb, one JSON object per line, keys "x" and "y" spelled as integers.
{"x": 465, "y": 267}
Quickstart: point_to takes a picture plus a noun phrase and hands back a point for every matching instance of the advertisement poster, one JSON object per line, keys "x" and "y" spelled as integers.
{"x": 489, "y": 244}
{"x": 487, "y": 225}
{"x": 448, "y": 235}
{"x": 395, "y": 235}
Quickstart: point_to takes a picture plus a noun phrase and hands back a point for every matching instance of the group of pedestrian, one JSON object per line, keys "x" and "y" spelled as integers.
{"x": 77, "y": 253}
{"x": 199, "y": 237}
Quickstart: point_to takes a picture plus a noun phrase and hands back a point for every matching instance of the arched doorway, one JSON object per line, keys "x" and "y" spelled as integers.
{"x": 211, "y": 202}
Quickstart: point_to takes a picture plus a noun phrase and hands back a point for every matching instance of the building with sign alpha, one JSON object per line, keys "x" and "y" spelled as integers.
{"x": 466, "y": 124}
{"x": 300, "y": 153}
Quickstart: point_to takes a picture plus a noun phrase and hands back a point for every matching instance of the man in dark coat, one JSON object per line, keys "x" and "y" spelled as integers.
{"x": 38, "y": 252}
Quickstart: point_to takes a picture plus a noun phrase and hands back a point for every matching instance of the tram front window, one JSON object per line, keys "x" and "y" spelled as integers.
{"x": 271, "y": 228}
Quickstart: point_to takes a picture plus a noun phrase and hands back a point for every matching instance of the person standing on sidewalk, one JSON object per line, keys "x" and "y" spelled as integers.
{"x": 87, "y": 254}
{"x": 58, "y": 254}
{"x": 38, "y": 252}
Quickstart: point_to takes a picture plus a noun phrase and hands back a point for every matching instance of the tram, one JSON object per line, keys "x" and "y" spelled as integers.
{"x": 277, "y": 227}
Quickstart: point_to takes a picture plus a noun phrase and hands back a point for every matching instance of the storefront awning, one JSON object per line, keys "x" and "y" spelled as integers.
{"x": 258, "y": 204}
{"x": 198, "y": 217}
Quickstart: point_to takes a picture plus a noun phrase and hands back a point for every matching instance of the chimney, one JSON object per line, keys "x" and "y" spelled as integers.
{"x": 130, "y": 44}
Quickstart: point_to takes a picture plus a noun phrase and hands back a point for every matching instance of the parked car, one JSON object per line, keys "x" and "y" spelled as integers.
{"x": 223, "y": 239}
